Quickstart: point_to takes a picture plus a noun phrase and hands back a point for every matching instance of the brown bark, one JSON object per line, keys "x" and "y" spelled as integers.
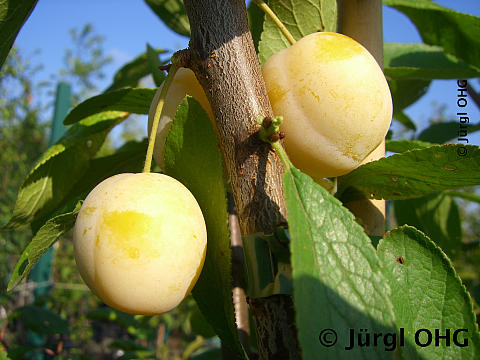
{"x": 276, "y": 332}
{"x": 223, "y": 58}
{"x": 473, "y": 94}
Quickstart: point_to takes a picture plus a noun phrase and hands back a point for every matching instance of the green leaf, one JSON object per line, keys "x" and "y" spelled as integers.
{"x": 400, "y": 146}
{"x": 403, "y": 119}
{"x": 172, "y": 13}
{"x": 256, "y": 17}
{"x": 337, "y": 280}
{"x": 130, "y": 74}
{"x": 455, "y": 32}
{"x": 60, "y": 167}
{"x": 406, "y": 92}
{"x": 40, "y": 243}
{"x": 133, "y": 100}
{"x": 127, "y": 159}
{"x": 436, "y": 215}
{"x": 41, "y": 320}
{"x": 153, "y": 64}
{"x": 464, "y": 195}
{"x": 20, "y": 351}
{"x": 3, "y": 355}
{"x": 427, "y": 294}
{"x": 440, "y": 133}
{"x": 414, "y": 173}
{"x": 192, "y": 157}
{"x": 200, "y": 325}
{"x": 421, "y": 61}
{"x": 13, "y": 14}
{"x": 301, "y": 18}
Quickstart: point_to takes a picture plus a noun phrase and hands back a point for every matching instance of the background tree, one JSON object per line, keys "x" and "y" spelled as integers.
{"x": 22, "y": 139}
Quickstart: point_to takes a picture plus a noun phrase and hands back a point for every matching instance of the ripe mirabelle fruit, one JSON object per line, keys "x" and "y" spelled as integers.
{"x": 184, "y": 83}
{"x": 140, "y": 242}
{"x": 334, "y": 99}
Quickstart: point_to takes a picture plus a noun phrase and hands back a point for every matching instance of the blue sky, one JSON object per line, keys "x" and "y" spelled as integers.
{"x": 128, "y": 25}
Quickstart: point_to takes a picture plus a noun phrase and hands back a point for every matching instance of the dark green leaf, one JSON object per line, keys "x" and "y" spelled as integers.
{"x": 41, "y": 320}
{"x": 200, "y": 325}
{"x": 133, "y": 100}
{"x": 455, "y": 32}
{"x": 266, "y": 278}
{"x": 403, "y": 119}
{"x": 13, "y": 14}
{"x": 172, "y": 13}
{"x": 400, "y": 146}
{"x": 153, "y": 64}
{"x": 440, "y": 133}
{"x": 130, "y": 74}
{"x": 406, "y": 92}
{"x": 256, "y": 17}
{"x": 421, "y": 61}
{"x": 427, "y": 294}
{"x": 301, "y": 18}
{"x": 336, "y": 274}
{"x": 19, "y": 352}
{"x": 192, "y": 157}
{"x": 414, "y": 173}
{"x": 40, "y": 243}
{"x": 127, "y": 159}
{"x": 436, "y": 215}
{"x": 464, "y": 195}
{"x": 57, "y": 171}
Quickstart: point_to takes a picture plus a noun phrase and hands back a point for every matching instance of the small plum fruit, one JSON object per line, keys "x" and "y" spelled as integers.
{"x": 140, "y": 242}
{"x": 334, "y": 99}
{"x": 184, "y": 83}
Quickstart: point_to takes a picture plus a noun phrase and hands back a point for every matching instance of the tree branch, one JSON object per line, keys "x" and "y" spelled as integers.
{"x": 473, "y": 94}
{"x": 224, "y": 60}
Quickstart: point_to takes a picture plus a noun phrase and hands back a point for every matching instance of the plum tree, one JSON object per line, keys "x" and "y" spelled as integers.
{"x": 140, "y": 242}
{"x": 334, "y": 99}
{"x": 184, "y": 83}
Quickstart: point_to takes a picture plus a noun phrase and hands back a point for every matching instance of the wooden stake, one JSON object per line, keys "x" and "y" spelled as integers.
{"x": 362, "y": 21}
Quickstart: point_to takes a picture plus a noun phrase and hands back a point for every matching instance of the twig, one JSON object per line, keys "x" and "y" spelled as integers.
{"x": 473, "y": 94}
{"x": 266, "y": 9}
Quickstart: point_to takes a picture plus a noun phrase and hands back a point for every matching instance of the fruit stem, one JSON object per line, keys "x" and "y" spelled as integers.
{"x": 269, "y": 133}
{"x": 158, "y": 111}
{"x": 287, "y": 164}
{"x": 267, "y": 10}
